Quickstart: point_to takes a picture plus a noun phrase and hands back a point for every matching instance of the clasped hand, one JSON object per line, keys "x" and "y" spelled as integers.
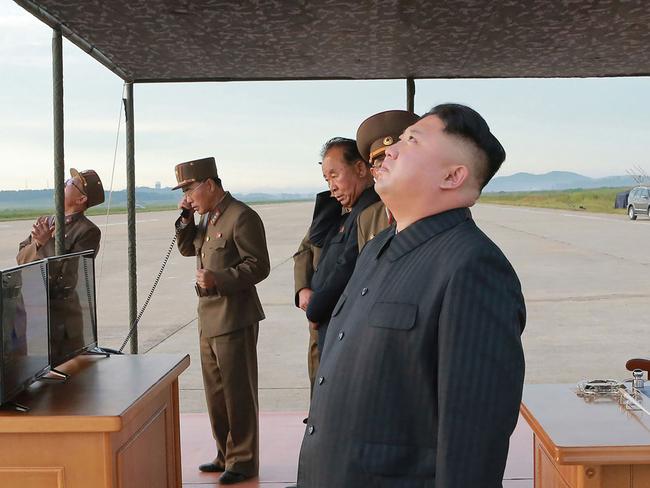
{"x": 206, "y": 279}
{"x": 42, "y": 231}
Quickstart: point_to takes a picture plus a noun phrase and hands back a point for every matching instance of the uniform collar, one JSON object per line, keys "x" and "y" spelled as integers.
{"x": 73, "y": 217}
{"x": 396, "y": 245}
{"x": 220, "y": 208}
{"x": 368, "y": 196}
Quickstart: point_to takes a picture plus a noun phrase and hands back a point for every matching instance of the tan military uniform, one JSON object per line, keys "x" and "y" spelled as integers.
{"x": 230, "y": 242}
{"x": 80, "y": 235}
{"x": 66, "y": 315}
{"x": 305, "y": 261}
{"x": 371, "y": 222}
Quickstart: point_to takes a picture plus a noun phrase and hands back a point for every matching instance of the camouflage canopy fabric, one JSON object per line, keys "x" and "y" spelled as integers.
{"x": 181, "y": 40}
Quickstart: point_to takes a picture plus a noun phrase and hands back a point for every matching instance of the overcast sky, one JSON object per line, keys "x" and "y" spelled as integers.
{"x": 267, "y": 136}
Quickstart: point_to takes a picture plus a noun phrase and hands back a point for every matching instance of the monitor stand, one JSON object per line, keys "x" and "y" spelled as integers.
{"x": 102, "y": 351}
{"x": 54, "y": 375}
{"x": 16, "y": 407}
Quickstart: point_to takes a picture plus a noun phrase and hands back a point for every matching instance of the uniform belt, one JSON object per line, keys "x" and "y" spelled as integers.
{"x": 61, "y": 294}
{"x": 205, "y": 292}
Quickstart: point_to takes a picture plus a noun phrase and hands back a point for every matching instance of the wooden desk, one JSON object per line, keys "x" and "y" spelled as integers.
{"x": 113, "y": 423}
{"x": 579, "y": 444}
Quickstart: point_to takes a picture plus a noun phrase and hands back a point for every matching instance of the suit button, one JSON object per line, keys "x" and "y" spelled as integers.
{"x": 311, "y": 429}
{"x": 364, "y": 291}
{"x": 341, "y": 334}
{"x": 321, "y": 380}
{"x": 207, "y": 238}
{"x": 202, "y": 254}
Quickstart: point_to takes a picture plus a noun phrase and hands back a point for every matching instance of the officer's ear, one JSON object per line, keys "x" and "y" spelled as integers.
{"x": 83, "y": 200}
{"x": 212, "y": 185}
{"x": 361, "y": 168}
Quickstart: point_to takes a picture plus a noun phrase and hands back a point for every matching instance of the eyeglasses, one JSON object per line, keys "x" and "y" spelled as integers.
{"x": 188, "y": 193}
{"x": 70, "y": 181}
{"x": 378, "y": 161}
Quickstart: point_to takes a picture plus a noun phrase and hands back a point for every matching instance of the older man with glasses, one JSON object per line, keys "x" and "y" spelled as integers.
{"x": 83, "y": 190}
{"x": 229, "y": 245}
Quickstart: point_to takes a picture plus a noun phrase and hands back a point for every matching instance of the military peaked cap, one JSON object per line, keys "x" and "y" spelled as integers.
{"x": 197, "y": 170}
{"x": 92, "y": 186}
{"x": 381, "y": 130}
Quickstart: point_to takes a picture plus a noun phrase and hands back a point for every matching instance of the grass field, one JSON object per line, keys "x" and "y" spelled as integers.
{"x": 599, "y": 200}
{"x": 28, "y": 214}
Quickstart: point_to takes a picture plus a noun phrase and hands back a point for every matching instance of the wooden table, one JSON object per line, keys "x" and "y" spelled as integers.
{"x": 113, "y": 423}
{"x": 580, "y": 444}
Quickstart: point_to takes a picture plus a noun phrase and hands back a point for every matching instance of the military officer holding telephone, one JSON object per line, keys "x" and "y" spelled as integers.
{"x": 229, "y": 243}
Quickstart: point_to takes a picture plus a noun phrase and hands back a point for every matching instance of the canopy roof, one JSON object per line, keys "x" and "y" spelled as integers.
{"x": 180, "y": 40}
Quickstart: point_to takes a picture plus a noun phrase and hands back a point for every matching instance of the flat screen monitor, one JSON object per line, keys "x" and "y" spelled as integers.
{"x": 73, "y": 316}
{"x": 24, "y": 355}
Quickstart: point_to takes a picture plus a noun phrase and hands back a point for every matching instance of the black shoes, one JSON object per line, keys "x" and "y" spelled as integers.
{"x": 211, "y": 468}
{"x": 230, "y": 478}
{"x": 227, "y": 478}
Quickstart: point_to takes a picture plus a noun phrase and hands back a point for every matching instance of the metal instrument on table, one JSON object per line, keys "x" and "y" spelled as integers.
{"x": 627, "y": 393}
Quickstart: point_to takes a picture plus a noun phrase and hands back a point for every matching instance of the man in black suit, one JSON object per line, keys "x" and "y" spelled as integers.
{"x": 423, "y": 368}
{"x": 350, "y": 182}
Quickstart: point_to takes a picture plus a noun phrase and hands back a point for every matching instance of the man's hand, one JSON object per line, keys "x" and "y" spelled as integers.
{"x": 183, "y": 205}
{"x": 304, "y": 296}
{"x": 206, "y": 279}
{"x": 42, "y": 231}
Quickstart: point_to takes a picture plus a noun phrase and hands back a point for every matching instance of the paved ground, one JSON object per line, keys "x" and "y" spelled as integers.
{"x": 584, "y": 279}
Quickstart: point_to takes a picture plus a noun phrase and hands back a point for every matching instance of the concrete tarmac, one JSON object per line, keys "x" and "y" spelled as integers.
{"x": 583, "y": 277}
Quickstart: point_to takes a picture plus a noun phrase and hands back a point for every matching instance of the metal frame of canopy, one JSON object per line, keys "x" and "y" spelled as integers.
{"x": 491, "y": 32}
{"x": 58, "y": 31}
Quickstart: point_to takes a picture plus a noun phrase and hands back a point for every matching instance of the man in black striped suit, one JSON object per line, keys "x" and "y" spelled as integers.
{"x": 423, "y": 369}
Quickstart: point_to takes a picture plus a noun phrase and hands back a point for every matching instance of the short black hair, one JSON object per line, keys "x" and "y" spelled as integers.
{"x": 467, "y": 123}
{"x": 350, "y": 151}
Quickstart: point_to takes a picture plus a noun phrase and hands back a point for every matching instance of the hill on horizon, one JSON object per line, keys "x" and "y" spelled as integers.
{"x": 554, "y": 180}
{"x": 157, "y": 197}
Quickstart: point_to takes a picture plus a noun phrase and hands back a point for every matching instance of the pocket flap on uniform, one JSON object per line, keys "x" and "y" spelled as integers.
{"x": 216, "y": 243}
{"x": 339, "y": 305}
{"x": 393, "y": 315}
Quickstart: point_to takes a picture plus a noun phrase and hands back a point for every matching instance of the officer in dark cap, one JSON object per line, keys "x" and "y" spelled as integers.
{"x": 374, "y": 135}
{"x": 229, "y": 243}
{"x": 83, "y": 190}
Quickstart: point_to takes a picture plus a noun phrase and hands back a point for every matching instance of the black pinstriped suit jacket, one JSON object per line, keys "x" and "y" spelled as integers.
{"x": 422, "y": 373}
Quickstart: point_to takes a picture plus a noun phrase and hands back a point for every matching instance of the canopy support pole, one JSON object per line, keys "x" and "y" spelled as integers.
{"x": 59, "y": 164}
{"x": 410, "y": 94}
{"x": 130, "y": 204}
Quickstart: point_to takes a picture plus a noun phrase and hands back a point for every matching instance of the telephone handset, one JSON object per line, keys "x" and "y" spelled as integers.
{"x": 186, "y": 213}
